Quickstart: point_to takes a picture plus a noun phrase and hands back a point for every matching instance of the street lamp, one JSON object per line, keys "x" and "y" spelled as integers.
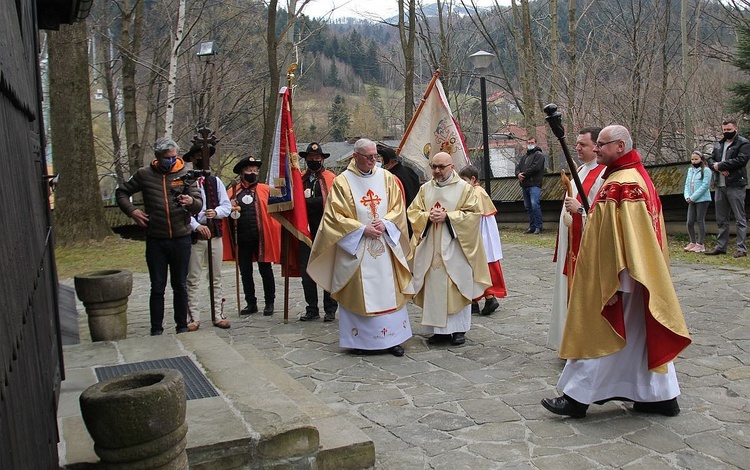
{"x": 481, "y": 61}
{"x": 206, "y": 51}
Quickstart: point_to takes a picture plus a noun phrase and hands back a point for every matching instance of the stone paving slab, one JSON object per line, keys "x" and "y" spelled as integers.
{"x": 477, "y": 406}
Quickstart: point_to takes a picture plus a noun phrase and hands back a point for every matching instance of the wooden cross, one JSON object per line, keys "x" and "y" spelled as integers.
{"x": 205, "y": 138}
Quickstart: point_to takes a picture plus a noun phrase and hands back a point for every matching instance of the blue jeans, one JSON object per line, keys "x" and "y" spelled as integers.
{"x": 172, "y": 254}
{"x": 531, "y": 197}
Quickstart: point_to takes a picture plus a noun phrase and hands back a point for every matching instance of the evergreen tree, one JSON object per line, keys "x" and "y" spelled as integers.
{"x": 333, "y": 76}
{"x": 741, "y": 101}
{"x": 338, "y": 119}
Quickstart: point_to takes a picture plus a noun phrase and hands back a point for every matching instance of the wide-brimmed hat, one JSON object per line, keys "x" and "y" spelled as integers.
{"x": 388, "y": 153}
{"x": 247, "y": 161}
{"x": 314, "y": 149}
{"x": 195, "y": 152}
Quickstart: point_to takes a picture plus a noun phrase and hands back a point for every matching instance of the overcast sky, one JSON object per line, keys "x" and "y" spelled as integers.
{"x": 371, "y": 9}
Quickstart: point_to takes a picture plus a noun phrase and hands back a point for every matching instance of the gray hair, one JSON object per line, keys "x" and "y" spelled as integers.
{"x": 618, "y": 132}
{"x": 362, "y": 144}
{"x": 164, "y": 144}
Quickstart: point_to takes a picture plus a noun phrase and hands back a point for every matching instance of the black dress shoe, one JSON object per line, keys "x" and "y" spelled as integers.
{"x": 156, "y": 332}
{"x": 565, "y": 406}
{"x": 249, "y": 310}
{"x": 490, "y": 305}
{"x": 458, "y": 339}
{"x": 437, "y": 339}
{"x": 397, "y": 350}
{"x": 528, "y": 231}
{"x": 329, "y": 317}
{"x": 308, "y": 316}
{"x": 537, "y": 231}
{"x": 715, "y": 252}
{"x": 474, "y": 308}
{"x": 665, "y": 408}
{"x": 268, "y": 310}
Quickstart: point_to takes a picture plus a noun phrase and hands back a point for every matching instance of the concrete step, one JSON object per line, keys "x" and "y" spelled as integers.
{"x": 262, "y": 418}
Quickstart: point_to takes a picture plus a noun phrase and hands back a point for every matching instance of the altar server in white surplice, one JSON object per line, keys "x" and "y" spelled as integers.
{"x": 359, "y": 255}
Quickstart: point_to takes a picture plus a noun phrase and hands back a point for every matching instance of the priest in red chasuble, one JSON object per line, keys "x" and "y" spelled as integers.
{"x": 359, "y": 255}
{"x": 624, "y": 326}
{"x": 450, "y": 265}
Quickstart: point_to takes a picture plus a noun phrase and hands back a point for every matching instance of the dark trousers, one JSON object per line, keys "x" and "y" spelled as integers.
{"x": 248, "y": 249}
{"x": 171, "y": 254}
{"x": 311, "y": 289}
{"x": 726, "y": 199}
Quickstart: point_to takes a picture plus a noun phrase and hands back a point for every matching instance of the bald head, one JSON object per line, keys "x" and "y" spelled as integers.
{"x": 442, "y": 166}
{"x": 613, "y": 142}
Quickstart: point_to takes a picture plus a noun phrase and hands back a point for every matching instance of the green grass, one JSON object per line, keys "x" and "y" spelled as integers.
{"x": 120, "y": 253}
{"x": 112, "y": 253}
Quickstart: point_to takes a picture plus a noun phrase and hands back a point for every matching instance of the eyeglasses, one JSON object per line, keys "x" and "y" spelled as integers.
{"x": 439, "y": 167}
{"x": 369, "y": 157}
{"x": 599, "y": 145}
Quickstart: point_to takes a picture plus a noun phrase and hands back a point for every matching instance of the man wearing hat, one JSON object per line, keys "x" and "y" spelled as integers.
{"x": 258, "y": 234}
{"x": 317, "y": 181}
{"x": 206, "y": 225}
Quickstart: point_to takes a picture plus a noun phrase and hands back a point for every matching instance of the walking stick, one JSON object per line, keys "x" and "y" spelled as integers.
{"x": 235, "y": 214}
{"x": 554, "y": 119}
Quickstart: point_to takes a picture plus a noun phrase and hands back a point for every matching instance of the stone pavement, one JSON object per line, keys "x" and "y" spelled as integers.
{"x": 477, "y": 406}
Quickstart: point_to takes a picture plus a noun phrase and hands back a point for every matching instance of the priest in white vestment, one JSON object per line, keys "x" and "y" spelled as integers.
{"x": 572, "y": 220}
{"x": 624, "y": 326}
{"x": 449, "y": 264}
{"x": 360, "y": 255}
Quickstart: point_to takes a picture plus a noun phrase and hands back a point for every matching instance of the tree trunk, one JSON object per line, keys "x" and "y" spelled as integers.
{"x": 407, "y": 35}
{"x": 172, "y": 87}
{"x": 687, "y": 74}
{"x": 269, "y": 114}
{"x": 130, "y": 45}
{"x": 79, "y": 213}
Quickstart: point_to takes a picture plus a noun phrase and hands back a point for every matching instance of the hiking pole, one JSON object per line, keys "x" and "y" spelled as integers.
{"x": 554, "y": 119}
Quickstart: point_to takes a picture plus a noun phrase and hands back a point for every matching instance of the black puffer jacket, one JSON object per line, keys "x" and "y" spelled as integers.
{"x": 531, "y": 165}
{"x": 166, "y": 219}
{"x": 735, "y": 162}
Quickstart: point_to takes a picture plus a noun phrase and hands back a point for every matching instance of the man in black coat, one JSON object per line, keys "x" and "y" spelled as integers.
{"x": 408, "y": 177}
{"x": 529, "y": 172}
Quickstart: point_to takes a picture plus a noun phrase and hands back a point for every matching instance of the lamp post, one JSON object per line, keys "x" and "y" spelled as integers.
{"x": 481, "y": 61}
{"x": 206, "y": 51}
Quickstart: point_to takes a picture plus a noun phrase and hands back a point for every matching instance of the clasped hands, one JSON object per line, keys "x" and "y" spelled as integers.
{"x": 437, "y": 215}
{"x": 374, "y": 229}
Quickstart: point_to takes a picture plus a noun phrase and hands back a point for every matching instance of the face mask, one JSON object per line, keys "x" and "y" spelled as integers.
{"x": 531, "y": 147}
{"x": 250, "y": 178}
{"x": 166, "y": 164}
{"x": 379, "y": 164}
{"x": 314, "y": 165}
{"x": 729, "y": 135}
{"x": 697, "y": 165}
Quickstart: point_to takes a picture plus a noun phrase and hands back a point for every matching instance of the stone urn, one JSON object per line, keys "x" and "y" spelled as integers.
{"x": 137, "y": 421}
{"x": 105, "y": 296}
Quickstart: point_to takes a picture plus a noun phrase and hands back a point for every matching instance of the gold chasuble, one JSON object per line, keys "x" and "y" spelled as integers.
{"x": 375, "y": 279}
{"x": 450, "y": 266}
{"x": 624, "y": 231}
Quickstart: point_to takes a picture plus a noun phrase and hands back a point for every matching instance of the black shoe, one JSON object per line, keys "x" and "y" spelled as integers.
{"x": 308, "y": 316}
{"x": 528, "y": 231}
{"x": 458, "y": 339}
{"x": 490, "y": 305}
{"x": 537, "y": 231}
{"x": 181, "y": 329}
{"x": 329, "y": 317}
{"x": 665, "y": 408}
{"x": 249, "y": 310}
{"x": 565, "y": 406}
{"x": 437, "y": 339}
{"x": 715, "y": 252}
{"x": 474, "y": 308}
{"x": 739, "y": 254}
{"x": 397, "y": 351}
{"x": 156, "y": 332}
{"x": 268, "y": 310}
